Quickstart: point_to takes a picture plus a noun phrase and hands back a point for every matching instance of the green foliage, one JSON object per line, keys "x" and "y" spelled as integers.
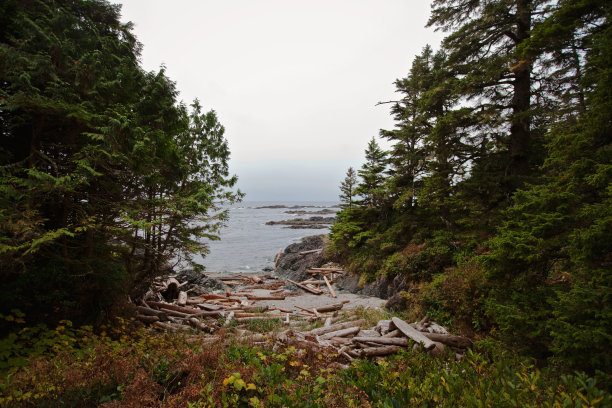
{"x": 495, "y": 211}
{"x": 104, "y": 176}
{"x": 130, "y": 367}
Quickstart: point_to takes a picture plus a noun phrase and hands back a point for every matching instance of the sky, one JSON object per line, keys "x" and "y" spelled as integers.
{"x": 295, "y": 83}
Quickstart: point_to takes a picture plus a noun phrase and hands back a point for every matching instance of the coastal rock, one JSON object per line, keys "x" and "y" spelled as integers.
{"x": 312, "y": 222}
{"x": 292, "y": 265}
{"x": 325, "y": 211}
{"x": 383, "y": 287}
{"x": 198, "y": 283}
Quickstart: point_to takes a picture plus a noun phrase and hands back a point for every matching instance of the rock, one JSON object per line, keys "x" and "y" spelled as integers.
{"x": 198, "y": 283}
{"x": 397, "y": 301}
{"x": 311, "y": 222}
{"x": 292, "y": 265}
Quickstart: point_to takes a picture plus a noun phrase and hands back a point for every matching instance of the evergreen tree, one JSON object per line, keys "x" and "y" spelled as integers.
{"x": 347, "y": 188}
{"x": 102, "y": 174}
{"x": 372, "y": 173}
{"x": 482, "y": 49}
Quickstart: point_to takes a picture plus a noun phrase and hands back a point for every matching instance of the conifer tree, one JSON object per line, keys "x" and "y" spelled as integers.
{"x": 482, "y": 45}
{"x": 372, "y": 174}
{"x": 103, "y": 175}
{"x": 347, "y": 188}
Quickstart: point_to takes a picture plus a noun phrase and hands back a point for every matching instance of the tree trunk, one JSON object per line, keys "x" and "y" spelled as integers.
{"x": 520, "y": 122}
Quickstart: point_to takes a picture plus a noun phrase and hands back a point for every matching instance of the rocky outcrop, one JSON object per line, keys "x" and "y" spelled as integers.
{"x": 198, "y": 282}
{"x": 293, "y": 261}
{"x": 383, "y": 287}
{"x": 312, "y": 222}
{"x": 325, "y": 211}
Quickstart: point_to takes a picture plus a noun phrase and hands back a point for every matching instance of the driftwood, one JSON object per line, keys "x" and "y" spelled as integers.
{"x": 333, "y": 327}
{"x": 182, "y": 298}
{"x": 251, "y": 318}
{"x": 450, "y": 340}
{"x": 151, "y": 312}
{"x": 329, "y": 287}
{"x": 147, "y": 318}
{"x": 306, "y": 288}
{"x": 176, "y": 308}
{"x": 199, "y": 324}
{"x": 340, "y": 333}
{"x": 176, "y": 313}
{"x": 252, "y": 297}
{"x": 402, "y": 341}
{"x": 412, "y": 333}
{"x": 379, "y": 351}
{"x": 280, "y": 251}
{"x": 331, "y": 308}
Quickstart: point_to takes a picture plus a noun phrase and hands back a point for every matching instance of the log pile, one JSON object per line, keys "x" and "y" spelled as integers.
{"x": 352, "y": 341}
{"x": 209, "y": 312}
{"x": 321, "y": 278}
{"x": 204, "y": 316}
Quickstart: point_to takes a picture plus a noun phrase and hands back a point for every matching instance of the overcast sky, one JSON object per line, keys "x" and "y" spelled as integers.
{"x": 295, "y": 83}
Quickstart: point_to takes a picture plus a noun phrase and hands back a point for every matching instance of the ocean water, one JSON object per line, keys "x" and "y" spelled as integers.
{"x": 248, "y": 245}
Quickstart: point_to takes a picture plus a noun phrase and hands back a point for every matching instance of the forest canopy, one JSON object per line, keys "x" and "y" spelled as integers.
{"x": 492, "y": 209}
{"x": 104, "y": 176}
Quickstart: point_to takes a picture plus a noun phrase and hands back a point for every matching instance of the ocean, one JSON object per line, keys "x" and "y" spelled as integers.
{"x": 248, "y": 245}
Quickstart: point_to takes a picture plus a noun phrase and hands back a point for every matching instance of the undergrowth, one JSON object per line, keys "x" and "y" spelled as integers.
{"x": 128, "y": 366}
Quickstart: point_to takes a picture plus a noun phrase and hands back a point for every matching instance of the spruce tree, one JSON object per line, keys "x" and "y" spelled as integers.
{"x": 481, "y": 46}
{"x": 347, "y": 188}
{"x": 372, "y": 174}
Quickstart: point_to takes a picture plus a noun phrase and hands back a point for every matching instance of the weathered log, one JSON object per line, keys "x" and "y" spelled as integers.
{"x": 252, "y": 318}
{"x": 329, "y": 287}
{"x": 242, "y": 314}
{"x": 341, "y": 333}
{"x": 252, "y": 297}
{"x": 393, "y": 333}
{"x": 147, "y": 318}
{"x": 199, "y": 324}
{"x": 249, "y": 308}
{"x": 450, "y": 340}
{"x": 420, "y": 326}
{"x": 412, "y": 333}
{"x": 306, "y": 310}
{"x": 210, "y": 307}
{"x": 151, "y": 312}
{"x": 229, "y": 318}
{"x": 182, "y": 298}
{"x": 176, "y": 313}
{"x": 306, "y": 288}
{"x": 333, "y": 327}
{"x": 378, "y": 351}
{"x": 332, "y": 307}
{"x": 280, "y": 251}
{"x": 402, "y": 341}
{"x": 437, "y": 350}
{"x": 170, "y": 306}
{"x": 165, "y": 326}
{"x": 340, "y": 340}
